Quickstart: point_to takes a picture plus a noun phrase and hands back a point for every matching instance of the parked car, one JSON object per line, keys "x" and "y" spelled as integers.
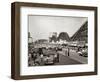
{"x": 50, "y": 57}
{"x": 83, "y": 52}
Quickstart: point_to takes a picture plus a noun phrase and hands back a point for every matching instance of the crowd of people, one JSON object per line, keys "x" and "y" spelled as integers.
{"x": 37, "y": 56}
{"x": 43, "y": 55}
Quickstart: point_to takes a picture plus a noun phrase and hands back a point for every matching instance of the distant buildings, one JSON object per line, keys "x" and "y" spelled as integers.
{"x": 40, "y": 41}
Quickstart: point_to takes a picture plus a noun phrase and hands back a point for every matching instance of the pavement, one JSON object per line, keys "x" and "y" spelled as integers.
{"x": 66, "y": 60}
{"x": 73, "y": 58}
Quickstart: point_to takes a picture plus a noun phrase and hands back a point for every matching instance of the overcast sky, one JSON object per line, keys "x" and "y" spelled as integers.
{"x": 40, "y": 27}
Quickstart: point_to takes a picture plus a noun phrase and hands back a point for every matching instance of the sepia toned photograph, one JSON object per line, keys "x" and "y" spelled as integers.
{"x": 57, "y": 40}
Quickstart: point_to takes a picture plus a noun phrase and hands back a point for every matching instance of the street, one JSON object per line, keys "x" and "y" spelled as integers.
{"x": 66, "y": 60}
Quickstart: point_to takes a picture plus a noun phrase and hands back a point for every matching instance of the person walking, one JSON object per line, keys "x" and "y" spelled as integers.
{"x": 68, "y": 52}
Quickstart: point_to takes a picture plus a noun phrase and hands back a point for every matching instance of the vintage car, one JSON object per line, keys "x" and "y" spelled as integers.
{"x": 50, "y": 57}
{"x": 83, "y": 52}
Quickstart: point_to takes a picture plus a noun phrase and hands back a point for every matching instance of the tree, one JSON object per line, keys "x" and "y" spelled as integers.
{"x": 53, "y": 38}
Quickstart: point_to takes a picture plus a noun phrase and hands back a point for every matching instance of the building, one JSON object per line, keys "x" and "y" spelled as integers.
{"x": 53, "y": 37}
{"x": 40, "y": 41}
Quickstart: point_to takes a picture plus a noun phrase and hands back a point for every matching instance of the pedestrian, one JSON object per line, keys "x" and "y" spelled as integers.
{"x": 68, "y": 52}
{"x": 40, "y": 51}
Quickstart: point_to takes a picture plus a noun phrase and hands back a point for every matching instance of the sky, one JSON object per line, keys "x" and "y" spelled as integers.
{"x": 40, "y": 27}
